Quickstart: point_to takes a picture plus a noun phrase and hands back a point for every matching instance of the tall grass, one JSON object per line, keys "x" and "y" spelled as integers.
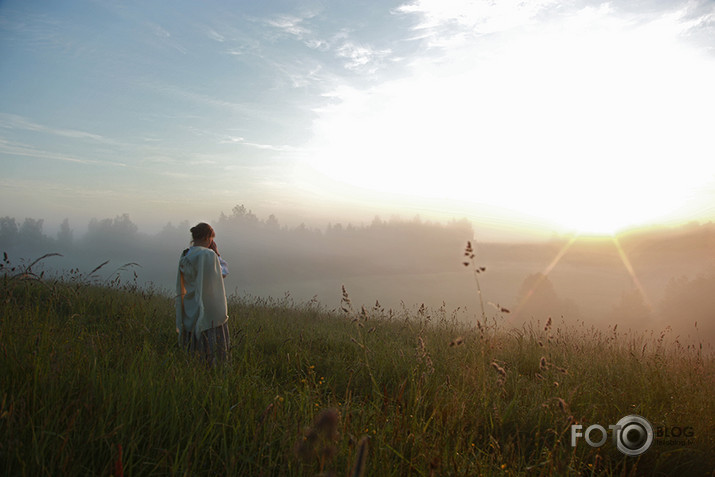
{"x": 93, "y": 383}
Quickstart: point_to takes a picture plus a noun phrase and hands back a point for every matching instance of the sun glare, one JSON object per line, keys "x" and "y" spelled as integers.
{"x": 588, "y": 127}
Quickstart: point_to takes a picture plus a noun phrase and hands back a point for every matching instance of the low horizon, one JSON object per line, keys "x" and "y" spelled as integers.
{"x": 644, "y": 279}
{"x": 484, "y": 231}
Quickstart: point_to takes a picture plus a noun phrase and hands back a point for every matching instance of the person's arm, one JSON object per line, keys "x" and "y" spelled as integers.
{"x": 224, "y": 266}
{"x": 180, "y": 292}
{"x": 221, "y": 261}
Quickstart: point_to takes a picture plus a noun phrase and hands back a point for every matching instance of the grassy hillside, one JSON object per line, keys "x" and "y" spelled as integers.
{"x": 93, "y": 383}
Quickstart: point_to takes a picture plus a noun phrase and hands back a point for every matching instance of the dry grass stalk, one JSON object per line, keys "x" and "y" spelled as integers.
{"x": 456, "y": 341}
{"x": 360, "y": 463}
{"x": 469, "y": 253}
{"x": 423, "y": 356}
{"x": 500, "y": 371}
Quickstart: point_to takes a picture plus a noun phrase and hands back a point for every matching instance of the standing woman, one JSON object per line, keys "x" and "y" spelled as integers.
{"x": 201, "y": 311}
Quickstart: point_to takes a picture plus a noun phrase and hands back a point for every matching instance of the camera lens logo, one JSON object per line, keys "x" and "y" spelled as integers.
{"x": 634, "y": 435}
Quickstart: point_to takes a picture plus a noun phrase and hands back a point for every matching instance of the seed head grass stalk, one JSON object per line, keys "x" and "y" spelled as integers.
{"x": 470, "y": 260}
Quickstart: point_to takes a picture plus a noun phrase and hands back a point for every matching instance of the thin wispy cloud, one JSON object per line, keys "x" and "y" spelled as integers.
{"x": 14, "y": 121}
{"x": 317, "y": 44}
{"x": 40, "y": 32}
{"x": 162, "y": 38}
{"x": 300, "y": 72}
{"x": 361, "y": 57}
{"x": 178, "y": 91}
{"x": 267, "y": 147}
{"x": 214, "y": 35}
{"x": 481, "y": 15}
{"x": 59, "y": 191}
{"x": 291, "y": 25}
{"x": 455, "y": 23}
{"x": 180, "y": 175}
{"x": 312, "y": 37}
{"x": 13, "y": 149}
{"x": 354, "y": 55}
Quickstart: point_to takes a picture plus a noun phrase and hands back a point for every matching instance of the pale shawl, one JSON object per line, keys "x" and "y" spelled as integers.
{"x": 201, "y": 296}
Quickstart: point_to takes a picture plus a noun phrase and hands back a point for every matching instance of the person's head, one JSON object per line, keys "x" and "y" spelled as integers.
{"x": 203, "y": 234}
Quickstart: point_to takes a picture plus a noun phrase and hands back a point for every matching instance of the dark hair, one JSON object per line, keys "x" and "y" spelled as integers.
{"x": 202, "y": 231}
{"x": 214, "y": 247}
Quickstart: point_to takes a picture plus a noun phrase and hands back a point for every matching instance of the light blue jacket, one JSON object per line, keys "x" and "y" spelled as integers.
{"x": 200, "y": 293}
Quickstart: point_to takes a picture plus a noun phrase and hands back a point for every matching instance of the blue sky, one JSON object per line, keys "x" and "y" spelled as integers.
{"x": 522, "y": 116}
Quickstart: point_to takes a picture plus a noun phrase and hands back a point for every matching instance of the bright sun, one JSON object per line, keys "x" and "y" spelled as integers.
{"x": 590, "y": 131}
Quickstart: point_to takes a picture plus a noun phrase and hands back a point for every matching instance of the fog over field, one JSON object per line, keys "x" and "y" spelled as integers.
{"x": 647, "y": 279}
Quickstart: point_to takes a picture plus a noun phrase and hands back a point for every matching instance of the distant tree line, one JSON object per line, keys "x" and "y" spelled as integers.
{"x": 242, "y": 220}
{"x": 262, "y": 252}
{"x": 30, "y": 235}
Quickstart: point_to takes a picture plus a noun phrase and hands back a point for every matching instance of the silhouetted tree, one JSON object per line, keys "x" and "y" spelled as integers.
{"x": 537, "y": 297}
{"x": 111, "y": 236}
{"x": 173, "y": 237}
{"x": 119, "y": 227}
{"x": 8, "y": 232}
{"x": 272, "y": 223}
{"x": 334, "y": 229}
{"x": 242, "y": 214}
{"x": 632, "y": 310}
{"x": 65, "y": 236}
{"x": 688, "y": 301}
{"x": 30, "y": 233}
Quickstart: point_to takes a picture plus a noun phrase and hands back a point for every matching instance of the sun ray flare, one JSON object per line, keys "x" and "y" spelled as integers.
{"x": 545, "y": 274}
{"x": 631, "y": 271}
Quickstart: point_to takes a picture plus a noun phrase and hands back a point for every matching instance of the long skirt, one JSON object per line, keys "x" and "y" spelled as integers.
{"x": 212, "y": 344}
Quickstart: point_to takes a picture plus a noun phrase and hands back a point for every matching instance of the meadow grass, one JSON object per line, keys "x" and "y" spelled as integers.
{"x": 94, "y": 383}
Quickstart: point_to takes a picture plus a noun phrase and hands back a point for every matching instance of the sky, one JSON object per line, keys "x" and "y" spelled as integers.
{"x": 526, "y": 117}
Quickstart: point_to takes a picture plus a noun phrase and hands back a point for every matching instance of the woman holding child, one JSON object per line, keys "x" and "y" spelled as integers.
{"x": 201, "y": 311}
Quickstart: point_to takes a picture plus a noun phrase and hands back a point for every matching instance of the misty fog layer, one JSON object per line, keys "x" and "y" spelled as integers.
{"x": 641, "y": 280}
